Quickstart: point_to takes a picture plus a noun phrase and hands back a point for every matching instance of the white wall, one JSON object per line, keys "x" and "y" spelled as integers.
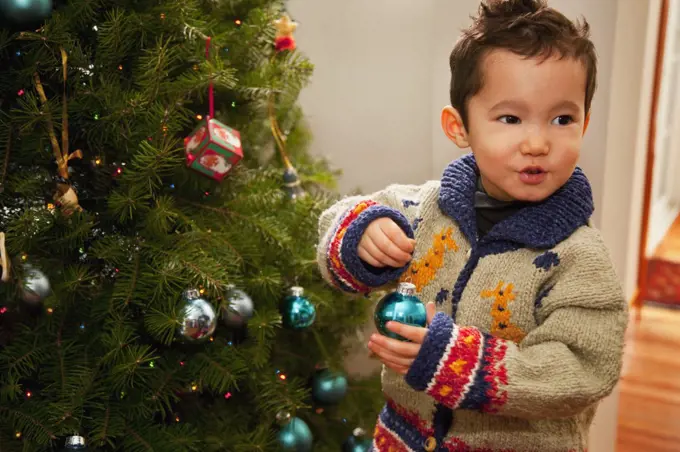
{"x": 382, "y": 78}
{"x": 369, "y": 104}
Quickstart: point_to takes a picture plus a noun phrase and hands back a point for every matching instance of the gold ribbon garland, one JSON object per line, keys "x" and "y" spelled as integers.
{"x": 65, "y": 194}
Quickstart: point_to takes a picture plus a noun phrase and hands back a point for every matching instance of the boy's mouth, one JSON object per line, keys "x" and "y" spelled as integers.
{"x": 533, "y": 170}
{"x": 532, "y": 175}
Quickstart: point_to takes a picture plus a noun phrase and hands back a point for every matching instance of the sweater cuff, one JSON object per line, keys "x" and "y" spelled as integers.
{"x": 461, "y": 367}
{"x": 348, "y": 270}
{"x": 435, "y": 345}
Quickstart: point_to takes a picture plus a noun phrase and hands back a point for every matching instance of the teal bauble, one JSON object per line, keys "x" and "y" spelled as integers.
{"x": 357, "y": 442}
{"x": 25, "y": 11}
{"x": 328, "y": 387}
{"x": 400, "y": 306}
{"x": 297, "y": 311}
{"x": 295, "y": 436}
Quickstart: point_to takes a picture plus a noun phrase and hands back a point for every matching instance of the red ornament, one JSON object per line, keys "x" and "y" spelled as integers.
{"x": 284, "y": 43}
{"x": 213, "y": 149}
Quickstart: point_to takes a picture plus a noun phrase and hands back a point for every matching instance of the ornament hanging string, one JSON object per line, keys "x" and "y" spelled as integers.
{"x": 211, "y": 86}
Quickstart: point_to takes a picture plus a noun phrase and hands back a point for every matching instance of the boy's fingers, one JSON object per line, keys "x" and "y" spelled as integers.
{"x": 398, "y": 237}
{"x": 414, "y": 334}
{"x": 431, "y": 311}
{"x": 401, "y": 348}
{"x": 375, "y": 248}
{"x": 366, "y": 257}
{"x": 386, "y": 355}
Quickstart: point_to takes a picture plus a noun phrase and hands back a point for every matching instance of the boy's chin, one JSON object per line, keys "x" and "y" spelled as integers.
{"x": 532, "y": 195}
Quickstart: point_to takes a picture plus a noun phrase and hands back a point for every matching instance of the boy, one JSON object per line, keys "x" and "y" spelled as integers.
{"x": 530, "y": 321}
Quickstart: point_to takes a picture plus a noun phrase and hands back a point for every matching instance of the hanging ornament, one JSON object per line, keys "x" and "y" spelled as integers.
{"x": 295, "y": 436}
{"x": 213, "y": 148}
{"x": 25, "y": 12}
{"x": 357, "y": 442}
{"x": 400, "y": 306}
{"x": 284, "y": 39}
{"x": 198, "y": 319}
{"x": 328, "y": 387}
{"x": 75, "y": 443}
{"x": 297, "y": 311}
{"x": 237, "y": 308}
{"x": 35, "y": 286}
{"x": 292, "y": 184}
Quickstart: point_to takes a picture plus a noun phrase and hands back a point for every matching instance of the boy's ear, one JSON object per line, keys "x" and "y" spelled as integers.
{"x": 453, "y": 127}
{"x": 585, "y": 123}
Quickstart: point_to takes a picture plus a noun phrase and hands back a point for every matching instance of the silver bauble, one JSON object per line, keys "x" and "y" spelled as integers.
{"x": 35, "y": 286}
{"x": 75, "y": 443}
{"x": 198, "y": 319}
{"x": 237, "y": 308}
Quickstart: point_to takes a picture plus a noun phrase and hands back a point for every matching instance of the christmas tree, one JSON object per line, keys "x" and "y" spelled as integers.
{"x": 159, "y": 219}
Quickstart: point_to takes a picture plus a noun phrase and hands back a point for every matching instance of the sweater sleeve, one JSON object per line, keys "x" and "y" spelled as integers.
{"x": 568, "y": 363}
{"x": 340, "y": 230}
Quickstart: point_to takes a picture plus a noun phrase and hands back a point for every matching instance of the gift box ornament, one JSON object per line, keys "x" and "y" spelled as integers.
{"x": 213, "y": 149}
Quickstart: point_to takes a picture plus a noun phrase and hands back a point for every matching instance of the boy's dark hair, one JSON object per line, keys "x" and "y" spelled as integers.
{"x": 526, "y": 27}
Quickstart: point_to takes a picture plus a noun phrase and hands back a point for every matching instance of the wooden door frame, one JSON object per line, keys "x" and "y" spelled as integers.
{"x": 643, "y": 261}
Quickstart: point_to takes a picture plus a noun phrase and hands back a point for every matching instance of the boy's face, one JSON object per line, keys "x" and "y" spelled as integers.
{"x": 525, "y": 126}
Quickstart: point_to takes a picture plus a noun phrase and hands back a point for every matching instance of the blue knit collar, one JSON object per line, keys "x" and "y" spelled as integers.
{"x": 540, "y": 226}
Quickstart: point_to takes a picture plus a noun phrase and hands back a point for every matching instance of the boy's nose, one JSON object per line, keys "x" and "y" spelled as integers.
{"x": 535, "y": 144}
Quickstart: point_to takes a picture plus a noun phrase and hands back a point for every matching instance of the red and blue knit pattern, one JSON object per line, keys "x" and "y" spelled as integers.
{"x": 348, "y": 271}
{"x": 461, "y": 367}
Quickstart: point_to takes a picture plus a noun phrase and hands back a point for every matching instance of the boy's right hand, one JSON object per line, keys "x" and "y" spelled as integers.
{"x": 385, "y": 244}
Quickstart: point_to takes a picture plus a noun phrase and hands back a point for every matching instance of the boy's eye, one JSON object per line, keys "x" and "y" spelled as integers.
{"x": 509, "y": 119}
{"x": 563, "y": 120}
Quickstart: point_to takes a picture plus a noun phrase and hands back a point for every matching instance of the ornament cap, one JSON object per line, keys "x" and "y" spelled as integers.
{"x": 406, "y": 288}
{"x": 192, "y": 294}
{"x": 283, "y": 417}
{"x": 75, "y": 442}
{"x": 298, "y": 291}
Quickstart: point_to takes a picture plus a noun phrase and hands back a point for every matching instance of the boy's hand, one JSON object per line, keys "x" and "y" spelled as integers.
{"x": 385, "y": 244}
{"x": 398, "y": 355}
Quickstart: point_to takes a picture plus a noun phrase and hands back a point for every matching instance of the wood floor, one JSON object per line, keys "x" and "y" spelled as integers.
{"x": 649, "y": 407}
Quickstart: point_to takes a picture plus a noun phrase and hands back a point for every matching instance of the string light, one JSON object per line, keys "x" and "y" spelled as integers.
{"x": 29, "y": 394}
{"x": 227, "y": 395}
{"x": 201, "y": 291}
{"x": 119, "y": 171}
{"x": 17, "y": 435}
{"x": 24, "y": 257}
{"x": 238, "y": 22}
{"x": 152, "y": 364}
{"x": 195, "y": 67}
{"x": 212, "y": 339}
{"x": 319, "y": 410}
{"x": 18, "y": 53}
{"x": 176, "y": 418}
{"x": 50, "y": 310}
{"x": 163, "y": 16}
{"x": 199, "y": 117}
{"x": 96, "y": 116}
{"x": 82, "y": 326}
{"x": 194, "y": 387}
{"x": 233, "y": 104}
{"x": 181, "y": 363}
{"x": 172, "y": 186}
{"x": 21, "y": 92}
{"x": 98, "y": 161}
{"x": 3, "y": 309}
{"x": 282, "y": 377}
{"x": 120, "y": 67}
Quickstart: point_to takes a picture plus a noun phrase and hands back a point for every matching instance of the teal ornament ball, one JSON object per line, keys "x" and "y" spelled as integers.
{"x": 295, "y": 436}
{"x": 400, "y": 306}
{"x": 357, "y": 442}
{"x": 25, "y": 11}
{"x": 328, "y": 387}
{"x": 297, "y": 311}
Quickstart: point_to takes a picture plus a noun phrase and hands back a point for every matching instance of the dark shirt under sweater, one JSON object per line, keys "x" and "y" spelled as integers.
{"x": 490, "y": 211}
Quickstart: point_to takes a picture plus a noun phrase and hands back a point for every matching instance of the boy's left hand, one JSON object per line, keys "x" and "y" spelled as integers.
{"x": 399, "y": 355}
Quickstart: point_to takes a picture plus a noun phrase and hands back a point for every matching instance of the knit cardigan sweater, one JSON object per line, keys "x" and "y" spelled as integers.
{"x": 530, "y": 322}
